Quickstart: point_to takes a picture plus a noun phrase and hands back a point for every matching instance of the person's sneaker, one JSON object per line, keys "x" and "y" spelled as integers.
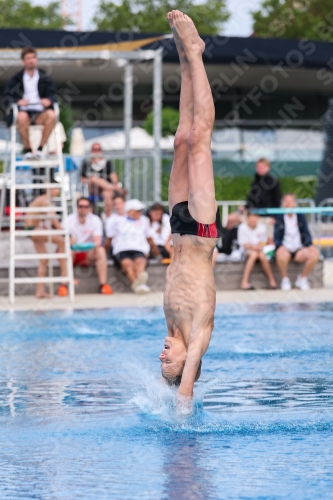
{"x": 105, "y": 289}
{"x": 141, "y": 289}
{"x": 285, "y": 284}
{"x": 140, "y": 280}
{"x": 38, "y": 155}
{"x": 28, "y": 155}
{"x": 302, "y": 283}
{"x": 62, "y": 291}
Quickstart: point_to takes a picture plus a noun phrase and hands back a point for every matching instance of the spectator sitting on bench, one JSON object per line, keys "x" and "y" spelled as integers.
{"x": 34, "y": 92}
{"x": 252, "y": 235}
{"x": 118, "y": 210}
{"x": 293, "y": 242}
{"x": 159, "y": 222}
{"x": 131, "y": 238}
{"x": 37, "y": 221}
{"x": 101, "y": 178}
{"x": 85, "y": 227}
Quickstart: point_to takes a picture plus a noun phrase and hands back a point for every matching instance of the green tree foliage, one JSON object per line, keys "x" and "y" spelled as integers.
{"x": 238, "y": 188}
{"x": 149, "y": 16}
{"x": 300, "y": 19}
{"x": 22, "y": 14}
{"x": 170, "y": 120}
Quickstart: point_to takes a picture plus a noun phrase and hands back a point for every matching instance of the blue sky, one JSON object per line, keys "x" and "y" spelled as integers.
{"x": 240, "y": 23}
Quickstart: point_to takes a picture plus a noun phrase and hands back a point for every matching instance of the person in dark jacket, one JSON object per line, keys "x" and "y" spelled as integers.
{"x": 293, "y": 242}
{"x": 265, "y": 192}
{"x": 265, "y": 189}
{"x": 34, "y": 92}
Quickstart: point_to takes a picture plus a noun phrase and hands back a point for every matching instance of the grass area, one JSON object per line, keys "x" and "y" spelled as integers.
{"x": 237, "y": 188}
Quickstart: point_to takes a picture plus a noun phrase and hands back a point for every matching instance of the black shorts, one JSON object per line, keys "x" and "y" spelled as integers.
{"x": 33, "y": 115}
{"x": 129, "y": 254}
{"x": 293, "y": 254}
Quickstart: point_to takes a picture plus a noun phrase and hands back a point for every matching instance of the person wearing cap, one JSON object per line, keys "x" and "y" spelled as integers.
{"x": 132, "y": 239}
{"x": 45, "y": 220}
{"x": 84, "y": 227}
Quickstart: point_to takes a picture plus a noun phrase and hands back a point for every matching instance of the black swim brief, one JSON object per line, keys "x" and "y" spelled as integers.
{"x": 182, "y": 222}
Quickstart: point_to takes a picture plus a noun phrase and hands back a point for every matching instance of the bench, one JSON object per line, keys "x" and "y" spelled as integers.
{"x": 227, "y": 277}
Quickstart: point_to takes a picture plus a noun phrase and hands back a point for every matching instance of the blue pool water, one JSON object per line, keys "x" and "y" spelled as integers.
{"x": 83, "y": 414}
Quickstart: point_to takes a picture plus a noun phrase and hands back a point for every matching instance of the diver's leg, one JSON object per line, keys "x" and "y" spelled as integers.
{"x": 202, "y": 204}
{"x": 179, "y": 183}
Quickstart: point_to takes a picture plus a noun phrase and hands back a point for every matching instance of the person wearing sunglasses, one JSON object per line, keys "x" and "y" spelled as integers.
{"x": 99, "y": 174}
{"x": 84, "y": 227}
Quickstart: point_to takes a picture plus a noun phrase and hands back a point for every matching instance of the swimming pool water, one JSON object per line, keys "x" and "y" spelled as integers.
{"x": 83, "y": 414}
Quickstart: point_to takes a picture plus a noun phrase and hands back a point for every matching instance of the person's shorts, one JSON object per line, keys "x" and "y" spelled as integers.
{"x": 293, "y": 254}
{"x": 33, "y": 115}
{"x": 81, "y": 259}
{"x": 129, "y": 254}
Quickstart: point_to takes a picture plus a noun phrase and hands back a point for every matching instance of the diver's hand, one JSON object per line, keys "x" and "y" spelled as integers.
{"x": 184, "y": 405}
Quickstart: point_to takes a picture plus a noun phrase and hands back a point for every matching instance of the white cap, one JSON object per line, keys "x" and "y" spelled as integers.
{"x": 133, "y": 205}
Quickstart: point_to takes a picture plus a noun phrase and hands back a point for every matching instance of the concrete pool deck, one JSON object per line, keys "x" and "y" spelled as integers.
{"x": 154, "y": 299}
{"x": 89, "y": 301}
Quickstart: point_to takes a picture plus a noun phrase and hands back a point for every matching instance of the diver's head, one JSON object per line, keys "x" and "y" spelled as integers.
{"x": 173, "y": 357}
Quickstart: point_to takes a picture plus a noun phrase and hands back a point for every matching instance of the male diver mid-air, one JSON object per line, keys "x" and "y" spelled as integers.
{"x": 189, "y": 299}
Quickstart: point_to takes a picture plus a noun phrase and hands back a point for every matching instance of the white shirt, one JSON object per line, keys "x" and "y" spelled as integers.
{"x": 292, "y": 237}
{"x": 83, "y": 233}
{"x": 30, "y": 92}
{"x": 161, "y": 231}
{"x": 128, "y": 234}
{"x": 249, "y": 236}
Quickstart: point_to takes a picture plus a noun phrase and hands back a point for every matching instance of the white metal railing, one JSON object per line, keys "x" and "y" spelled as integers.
{"x": 325, "y": 229}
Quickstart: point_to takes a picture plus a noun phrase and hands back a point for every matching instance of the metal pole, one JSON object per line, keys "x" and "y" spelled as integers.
{"x": 11, "y": 274}
{"x": 128, "y": 112}
{"x": 157, "y": 93}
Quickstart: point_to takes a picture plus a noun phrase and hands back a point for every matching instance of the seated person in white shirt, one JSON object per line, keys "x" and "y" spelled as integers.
{"x": 252, "y": 235}
{"x": 85, "y": 227}
{"x": 118, "y": 210}
{"x": 34, "y": 92}
{"x": 161, "y": 230}
{"x": 293, "y": 242}
{"x": 131, "y": 238}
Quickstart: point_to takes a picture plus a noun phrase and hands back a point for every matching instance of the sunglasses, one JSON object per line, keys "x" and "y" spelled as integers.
{"x": 83, "y": 206}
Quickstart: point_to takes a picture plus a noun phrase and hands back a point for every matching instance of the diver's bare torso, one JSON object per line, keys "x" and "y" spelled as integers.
{"x": 190, "y": 297}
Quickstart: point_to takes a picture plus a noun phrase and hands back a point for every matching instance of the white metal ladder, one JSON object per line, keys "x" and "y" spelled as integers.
{"x": 14, "y": 233}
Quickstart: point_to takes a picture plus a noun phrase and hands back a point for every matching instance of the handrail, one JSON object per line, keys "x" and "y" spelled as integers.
{"x": 325, "y": 202}
{"x": 296, "y": 210}
{"x": 14, "y": 108}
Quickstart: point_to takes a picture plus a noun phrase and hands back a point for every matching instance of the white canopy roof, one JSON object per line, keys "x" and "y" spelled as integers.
{"x": 139, "y": 139}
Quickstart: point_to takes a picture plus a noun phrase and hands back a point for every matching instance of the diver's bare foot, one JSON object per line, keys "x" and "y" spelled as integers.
{"x": 188, "y": 34}
{"x": 178, "y": 42}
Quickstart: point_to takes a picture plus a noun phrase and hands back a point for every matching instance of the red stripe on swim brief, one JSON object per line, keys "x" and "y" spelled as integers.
{"x": 207, "y": 230}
